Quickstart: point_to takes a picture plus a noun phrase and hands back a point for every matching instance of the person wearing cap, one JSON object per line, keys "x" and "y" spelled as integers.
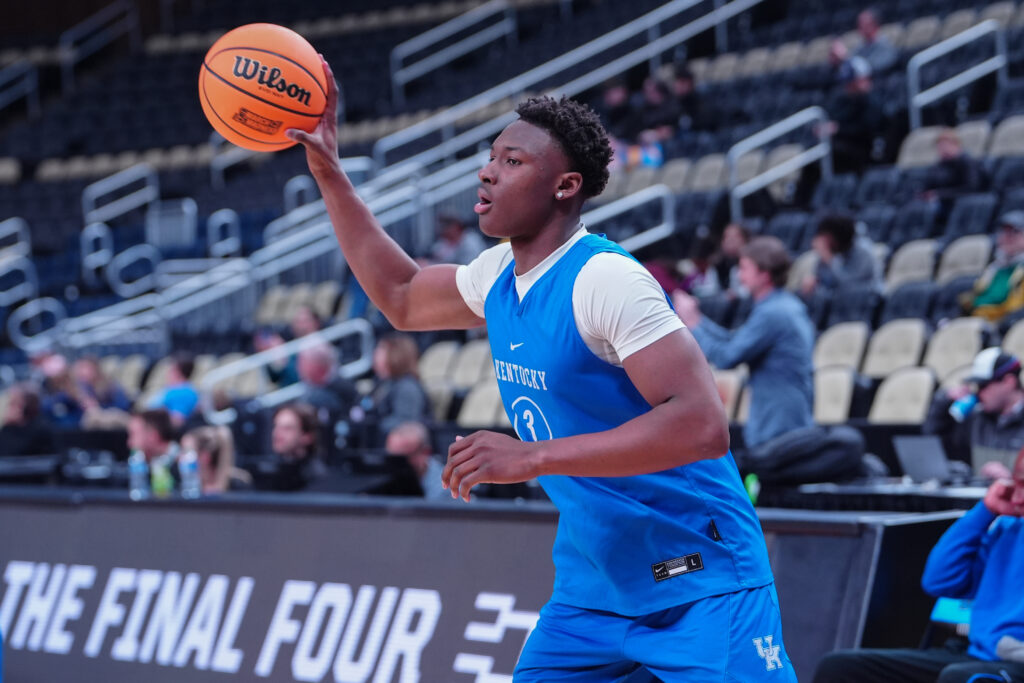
{"x": 989, "y": 433}
{"x": 979, "y": 558}
{"x": 1000, "y": 289}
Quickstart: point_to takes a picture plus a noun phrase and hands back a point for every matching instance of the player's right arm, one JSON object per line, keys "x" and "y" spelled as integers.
{"x": 412, "y": 298}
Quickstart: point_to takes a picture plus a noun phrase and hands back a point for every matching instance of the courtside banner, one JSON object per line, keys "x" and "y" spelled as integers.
{"x": 267, "y": 588}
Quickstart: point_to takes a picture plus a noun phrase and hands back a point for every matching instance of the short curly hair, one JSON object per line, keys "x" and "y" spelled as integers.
{"x": 580, "y": 134}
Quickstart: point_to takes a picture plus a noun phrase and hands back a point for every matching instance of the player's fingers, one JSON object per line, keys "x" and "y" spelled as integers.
{"x": 461, "y": 443}
{"x": 332, "y": 86}
{"x": 459, "y": 473}
{"x": 469, "y": 481}
{"x": 455, "y": 459}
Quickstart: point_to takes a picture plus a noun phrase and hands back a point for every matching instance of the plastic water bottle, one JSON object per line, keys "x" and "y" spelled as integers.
{"x": 188, "y": 468}
{"x": 138, "y": 476}
{"x": 963, "y": 406}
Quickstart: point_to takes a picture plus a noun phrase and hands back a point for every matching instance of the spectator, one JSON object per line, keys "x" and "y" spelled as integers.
{"x": 955, "y": 174}
{"x": 61, "y": 400}
{"x": 684, "y": 90}
{"x": 331, "y": 395}
{"x": 305, "y": 321}
{"x": 215, "y": 451}
{"x": 616, "y": 110}
{"x": 699, "y": 275}
{"x": 775, "y": 342}
{"x": 455, "y": 243}
{"x": 991, "y": 433}
{"x": 1000, "y": 289}
{"x": 412, "y": 440}
{"x": 151, "y": 432}
{"x": 284, "y": 371}
{"x": 105, "y": 403}
{"x": 881, "y": 55}
{"x": 857, "y": 118}
{"x": 658, "y": 114}
{"x": 735, "y": 237}
{"x": 399, "y": 396}
{"x": 179, "y": 397}
{"x": 296, "y": 445}
{"x": 979, "y": 558}
{"x": 23, "y": 431}
{"x": 844, "y": 259}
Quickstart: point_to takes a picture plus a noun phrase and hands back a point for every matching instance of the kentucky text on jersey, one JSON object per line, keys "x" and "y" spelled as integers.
{"x": 517, "y": 374}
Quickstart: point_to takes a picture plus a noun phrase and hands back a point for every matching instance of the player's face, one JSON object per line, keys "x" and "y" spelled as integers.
{"x": 518, "y": 184}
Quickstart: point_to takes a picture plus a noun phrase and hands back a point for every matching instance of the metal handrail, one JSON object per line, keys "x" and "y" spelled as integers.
{"x": 95, "y": 33}
{"x": 514, "y": 86}
{"x": 149, "y": 193}
{"x": 401, "y": 76}
{"x": 258, "y": 361}
{"x": 667, "y": 226}
{"x": 483, "y": 132}
{"x": 18, "y": 80}
{"x": 17, "y": 228}
{"x": 31, "y": 310}
{"x": 918, "y": 99}
{"x": 28, "y": 288}
{"x": 820, "y": 152}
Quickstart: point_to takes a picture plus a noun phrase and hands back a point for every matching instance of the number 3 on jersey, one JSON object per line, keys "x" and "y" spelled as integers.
{"x": 528, "y": 420}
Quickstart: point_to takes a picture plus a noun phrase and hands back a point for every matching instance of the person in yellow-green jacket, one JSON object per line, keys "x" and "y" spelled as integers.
{"x": 1000, "y": 289}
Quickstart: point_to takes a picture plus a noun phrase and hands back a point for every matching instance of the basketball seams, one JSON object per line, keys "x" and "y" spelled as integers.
{"x": 270, "y": 52}
{"x": 257, "y": 97}
{"x": 210, "y": 107}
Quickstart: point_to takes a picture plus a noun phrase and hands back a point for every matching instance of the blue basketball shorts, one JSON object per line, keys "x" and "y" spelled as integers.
{"x": 731, "y": 637}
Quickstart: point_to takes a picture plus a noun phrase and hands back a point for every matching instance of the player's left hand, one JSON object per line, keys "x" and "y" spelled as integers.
{"x": 487, "y": 458}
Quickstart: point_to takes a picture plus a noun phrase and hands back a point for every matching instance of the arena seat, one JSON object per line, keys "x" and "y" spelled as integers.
{"x": 903, "y": 397}
{"x": 480, "y": 408}
{"x": 958, "y": 21}
{"x": 709, "y": 173}
{"x": 471, "y": 364}
{"x": 841, "y": 345}
{"x": 954, "y": 344}
{"x": 913, "y": 262}
{"x": 1008, "y": 138}
{"x": 730, "y": 385}
{"x": 437, "y": 361}
{"x": 948, "y": 299}
{"x": 914, "y": 220}
{"x": 918, "y": 148}
{"x": 854, "y": 303}
{"x": 968, "y": 255}
{"x": 909, "y": 300}
{"x": 675, "y": 174}
{"x": 896, "y": 344}
{"x": 972, "y": 214}
{"x": 833, "y": 394}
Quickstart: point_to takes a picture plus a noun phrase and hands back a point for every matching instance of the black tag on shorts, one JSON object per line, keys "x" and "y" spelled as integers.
{"x": 680, "y": 565}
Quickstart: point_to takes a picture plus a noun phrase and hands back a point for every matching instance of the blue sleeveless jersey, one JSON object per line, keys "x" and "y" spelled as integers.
{"x": 629, "y": 545}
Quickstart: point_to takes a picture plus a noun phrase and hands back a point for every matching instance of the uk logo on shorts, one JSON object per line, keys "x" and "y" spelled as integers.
{"x": 769, "y": 653}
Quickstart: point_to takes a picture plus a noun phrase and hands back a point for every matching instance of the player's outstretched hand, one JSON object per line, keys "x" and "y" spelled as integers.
{"x": 322, "y": 144}
{"x": 1000, "y": 499}
{"x": 487, "y": 458}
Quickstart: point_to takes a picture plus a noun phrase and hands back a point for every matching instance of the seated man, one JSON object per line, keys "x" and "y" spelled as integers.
{"x": 412, "y": 441}
{"x": 988, "y": 429}
{"x": 1000, "y": 289}
{"x": 980, "y": 558}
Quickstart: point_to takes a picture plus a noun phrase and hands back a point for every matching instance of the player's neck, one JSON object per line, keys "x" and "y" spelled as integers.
{"x": 529, "y": 251}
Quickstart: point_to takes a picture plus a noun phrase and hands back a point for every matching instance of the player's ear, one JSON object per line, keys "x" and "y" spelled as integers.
{"x": 569, "y": 185}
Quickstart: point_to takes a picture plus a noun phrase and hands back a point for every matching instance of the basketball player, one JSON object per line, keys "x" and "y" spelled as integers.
{"x": 660, "y": 562}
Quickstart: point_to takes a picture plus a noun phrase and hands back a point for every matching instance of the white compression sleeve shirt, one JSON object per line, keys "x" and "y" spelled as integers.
{"x": 614, "y": 320}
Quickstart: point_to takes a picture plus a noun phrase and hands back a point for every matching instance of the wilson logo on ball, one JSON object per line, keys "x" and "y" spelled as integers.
{"x": 250, "y": 69}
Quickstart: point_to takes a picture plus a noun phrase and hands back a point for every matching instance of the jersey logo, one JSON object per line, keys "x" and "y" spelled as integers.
{"x": 769, "y": 653}
{"x": 677, "y": 566}
{"x": 513, "y": 347}
{"x": 528, "y": 420}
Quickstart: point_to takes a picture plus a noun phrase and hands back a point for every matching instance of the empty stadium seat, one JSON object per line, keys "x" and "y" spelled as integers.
{"x": 954, "y": 344}
{"x": 833, "y": 394}
{"x": 1008, "y": 138}
{"x": 709, "y": 173}
{"x": 1013, "y": 340}
{"x": 913, "y": 262}
{"x": 909, "y": 300}
{"x": 841, "y": 345}
{"x": 948, "y": 299}
{"x": 903, "y": 397}
{"x": 896, "y": 344}
{"x": 730, "y": 386}
{"x": 968, "y": 255}
{"x": 471, "y": 364}
{"x": 480, "y": 408}
{"x": 915, "y": 220}
{"x": 790, "y": 227}
{"x": 918, "y": 148}
{"x": 854, "y": 303}
{"x": 836, "y": 193}
{"x": 971, "y": 215}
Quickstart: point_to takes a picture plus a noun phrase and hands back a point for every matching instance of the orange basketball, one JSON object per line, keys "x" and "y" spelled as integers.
{"x": 259, "y": 80}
